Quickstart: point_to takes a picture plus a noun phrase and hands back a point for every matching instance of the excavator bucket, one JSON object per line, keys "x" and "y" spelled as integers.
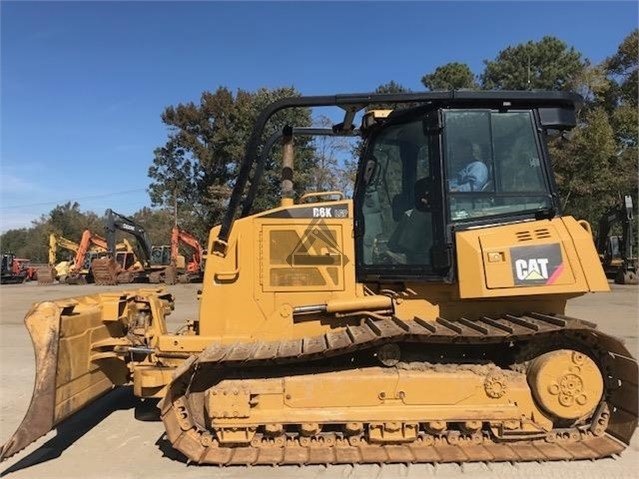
{"x": 105, "y": 271}
{"x": 46, "y": 275}
{"x": 75, "y": 342}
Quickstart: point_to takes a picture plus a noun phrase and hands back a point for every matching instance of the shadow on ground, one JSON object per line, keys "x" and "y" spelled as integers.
{"x": 76, "y": 426}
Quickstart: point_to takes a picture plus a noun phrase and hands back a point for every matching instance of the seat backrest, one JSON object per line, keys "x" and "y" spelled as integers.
{"x": 400, "y": 204}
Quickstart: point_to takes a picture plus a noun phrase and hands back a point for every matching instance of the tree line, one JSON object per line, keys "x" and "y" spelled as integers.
{"x": 194, "y": 171}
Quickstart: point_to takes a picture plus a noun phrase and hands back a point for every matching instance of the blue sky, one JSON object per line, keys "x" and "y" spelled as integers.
{"x": 83, "y": 84}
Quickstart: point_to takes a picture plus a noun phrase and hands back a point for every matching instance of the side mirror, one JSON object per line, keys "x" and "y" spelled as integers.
{"x": 423, "y": 189}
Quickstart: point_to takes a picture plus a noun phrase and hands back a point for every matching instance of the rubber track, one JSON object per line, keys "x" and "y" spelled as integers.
{"x": 620, "y": 370}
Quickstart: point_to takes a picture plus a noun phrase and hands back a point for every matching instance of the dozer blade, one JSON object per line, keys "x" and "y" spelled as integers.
{"x": 73, "y": 341}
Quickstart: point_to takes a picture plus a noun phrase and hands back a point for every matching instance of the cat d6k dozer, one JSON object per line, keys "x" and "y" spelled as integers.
{"x": 422, "y": 321}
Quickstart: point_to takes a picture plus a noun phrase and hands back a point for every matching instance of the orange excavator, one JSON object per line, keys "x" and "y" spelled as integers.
{"x": 92, "y": 246}
{"x": 78, "y": 271}
{"x": 193, "y": 271}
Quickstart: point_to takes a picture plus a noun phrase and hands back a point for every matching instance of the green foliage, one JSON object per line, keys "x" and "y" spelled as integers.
{"x": 546, "y": 65}
{"x": 66, "y": 220}
{"x": 582, "y": 172}
{"x": 599, "y": 166}
{"x": 622, "y": 68}
{"x": 26, "y": 243}
{"x": 452, "y": 76}
{"x": 69, "y": 221}
{"x": 198, "y": 165}
{"x": 157, "y": 224}
{"x": 391, "y": 87}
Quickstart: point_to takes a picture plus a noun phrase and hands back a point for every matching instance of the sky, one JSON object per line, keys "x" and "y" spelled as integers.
{"x": 83, "y": 83}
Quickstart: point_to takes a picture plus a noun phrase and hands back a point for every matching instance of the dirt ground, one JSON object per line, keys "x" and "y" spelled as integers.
{"x": 105, "y": 441}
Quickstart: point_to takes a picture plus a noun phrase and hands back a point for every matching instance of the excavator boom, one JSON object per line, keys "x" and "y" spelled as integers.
{"x": 193, "y": 271}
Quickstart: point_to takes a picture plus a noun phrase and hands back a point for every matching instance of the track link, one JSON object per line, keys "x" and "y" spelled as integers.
{"x": 608, "y": 434}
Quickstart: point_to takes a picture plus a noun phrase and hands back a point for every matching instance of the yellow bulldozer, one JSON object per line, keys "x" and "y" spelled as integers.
{"x": 422, "y": 321}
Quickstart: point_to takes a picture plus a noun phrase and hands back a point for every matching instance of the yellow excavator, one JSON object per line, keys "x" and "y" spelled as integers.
{"x": 422, "y": 321}
{"x": 57, "y": 270}
{"x": 76, "y": 271}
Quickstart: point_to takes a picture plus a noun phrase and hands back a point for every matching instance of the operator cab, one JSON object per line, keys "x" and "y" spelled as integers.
{"x": 429, "y": 171}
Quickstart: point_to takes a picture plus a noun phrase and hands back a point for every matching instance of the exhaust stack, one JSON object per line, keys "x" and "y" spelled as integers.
{"x": 287, "y": 167}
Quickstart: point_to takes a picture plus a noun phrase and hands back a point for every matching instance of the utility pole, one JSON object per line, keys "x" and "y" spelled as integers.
{"x": 175, "y": 221}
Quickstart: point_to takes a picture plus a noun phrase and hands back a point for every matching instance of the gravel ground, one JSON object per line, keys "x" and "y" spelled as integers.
{"x": 105, "y": 441}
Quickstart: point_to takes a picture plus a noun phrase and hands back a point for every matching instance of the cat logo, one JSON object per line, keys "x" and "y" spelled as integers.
{"x": 534, "y": 268}
{"x": 534, "y": 265}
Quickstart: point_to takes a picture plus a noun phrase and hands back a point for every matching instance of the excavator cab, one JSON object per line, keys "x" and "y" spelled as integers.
{"x": 161, "y": 255}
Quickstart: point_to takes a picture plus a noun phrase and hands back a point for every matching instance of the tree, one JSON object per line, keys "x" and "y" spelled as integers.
{"x": 66, "y": 220}
{"x": 584, "y": 172}
{"x": 621, "y": 99}
{"x": 69, "y": 221}
{"x": 392, "y": 87}
{"x": 198, "y": 165}
{"x": 622, "y": 68}
{"x": 452, "y": 76}
{"x": 607, "y": 132}
{"x": 547, "y": 65}
{"x": 333, "y": 168}
{"x": 157, "y": 223}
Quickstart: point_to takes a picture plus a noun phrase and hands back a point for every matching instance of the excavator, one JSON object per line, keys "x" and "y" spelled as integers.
{"x": 416, "y": 322}
{"x": 153, "y": 265}
{"x": 616, "y": 251}
{"x": 56, "y": 270}
{"x": 77, "y": 271}
{"x": 193, "y": 271}
{"x": 92, "y": 246}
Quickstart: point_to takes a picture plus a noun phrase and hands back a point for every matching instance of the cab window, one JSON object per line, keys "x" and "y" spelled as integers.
{"x": 493, "y": 164}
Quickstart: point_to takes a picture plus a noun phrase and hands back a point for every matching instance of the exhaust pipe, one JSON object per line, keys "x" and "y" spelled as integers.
{"x": 287, "y": 167}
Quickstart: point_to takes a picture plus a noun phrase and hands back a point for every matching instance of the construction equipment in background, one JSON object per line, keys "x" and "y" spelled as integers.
{"x": 92, "y": 246}
{"x": 54, "y": 269}
{"x": 616, "y": 252}
{"x": 151, "y": 264}
{"x": 77, "y": 270}
{"x": 11, "y": 272}
{"x": 193, "y": 271}
{"x": 414, "y": 323}
{"x": 23, "y": 265}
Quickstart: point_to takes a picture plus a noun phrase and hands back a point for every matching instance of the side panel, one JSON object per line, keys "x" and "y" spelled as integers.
{"x": 299, "y": 255}
{"x": 540, "y": 257}
{"x": 302, "y": 257}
